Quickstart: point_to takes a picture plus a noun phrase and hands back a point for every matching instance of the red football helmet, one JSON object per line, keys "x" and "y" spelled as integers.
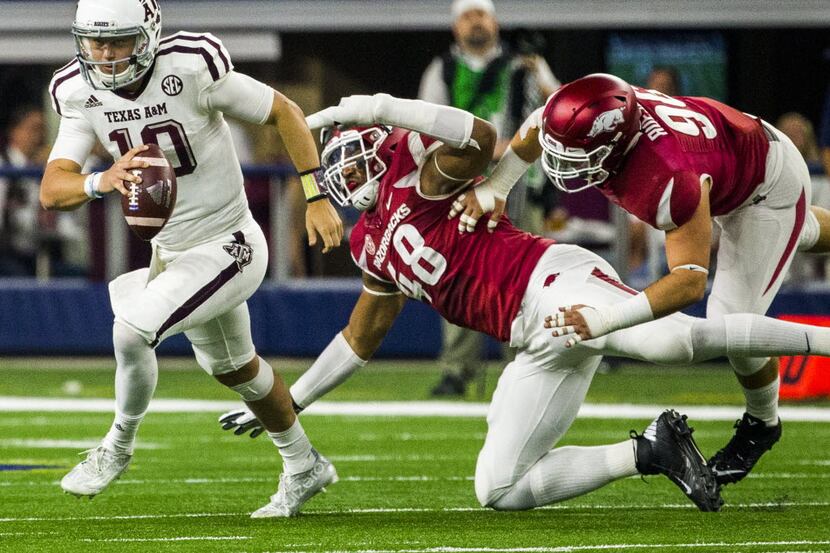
{"x": 355, "y": 159}
{"x": 587, "y": 127}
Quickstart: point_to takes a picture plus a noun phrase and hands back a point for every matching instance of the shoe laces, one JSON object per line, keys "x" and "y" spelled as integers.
{"x": 95, "y": 458}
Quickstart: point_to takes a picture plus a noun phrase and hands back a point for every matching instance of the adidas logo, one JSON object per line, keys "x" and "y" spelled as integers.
{"x": 92, "y": 102}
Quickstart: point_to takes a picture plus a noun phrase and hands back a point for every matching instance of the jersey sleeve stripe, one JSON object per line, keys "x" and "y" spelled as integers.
{"x": 220, "y": 49}
{"x": 214, "y": 72}
{"x": 67, "y": 66}
{"x": 56, "y": 83}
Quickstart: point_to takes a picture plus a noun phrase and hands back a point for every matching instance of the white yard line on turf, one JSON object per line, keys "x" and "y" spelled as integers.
{"x": 401, "y": 408}
{"x": 407, "y": 478}
{"x": 67, "y": 444}
{"x": 393, "y": 510}
{"x": 177, "y": 538}
{"x": 599, "y": 547}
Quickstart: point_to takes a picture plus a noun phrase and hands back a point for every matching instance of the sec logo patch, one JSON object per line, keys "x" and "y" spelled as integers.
{"x": 172, "y": 85}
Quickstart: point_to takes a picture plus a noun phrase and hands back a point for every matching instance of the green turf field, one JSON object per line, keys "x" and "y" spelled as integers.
{"x": 406, "y": 483}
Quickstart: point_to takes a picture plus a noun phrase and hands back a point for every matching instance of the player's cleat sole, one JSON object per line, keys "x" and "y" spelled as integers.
{"x": 752, "y": 439}
{"x": 296, "y": 489}
{"x": 667, "y": 447}
{"x": 449, "y": 386}
{"x": 96, "y": 472}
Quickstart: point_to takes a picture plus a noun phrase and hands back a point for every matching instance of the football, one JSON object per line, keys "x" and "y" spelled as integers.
{"x": 149, "y": 204}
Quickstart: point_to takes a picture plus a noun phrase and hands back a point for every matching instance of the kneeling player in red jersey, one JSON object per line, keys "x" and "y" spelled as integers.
{"x": 506, "y": 283}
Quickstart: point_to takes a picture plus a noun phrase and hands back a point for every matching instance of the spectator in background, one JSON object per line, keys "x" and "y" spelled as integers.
{"x": 824, "y": 134}
{"x": 32, "y": 240}
{"x": 665, "y": 79}
{"x": 799, "y": 129}
{"x": 482, "y": 75}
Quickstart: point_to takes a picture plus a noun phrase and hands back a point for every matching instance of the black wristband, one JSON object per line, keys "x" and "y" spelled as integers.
{"x": 320, "y": 196}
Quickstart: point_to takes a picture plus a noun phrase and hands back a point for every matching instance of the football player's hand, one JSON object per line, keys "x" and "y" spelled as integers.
{"x": 241, "y": 421}
{"x": 120, "y": 172}
{"x": 471, "y": 207}
{"x": 580, "y": 321}
{"x": 356, "y": 109}
{"x": 321, "y": 218}
{"x": 323, "y": 118}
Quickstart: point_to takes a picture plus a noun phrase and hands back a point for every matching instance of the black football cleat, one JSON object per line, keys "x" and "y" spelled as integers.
{"x": 450, "y": 386}
{"x": 752, "y": 439}
{"x": 667, "y": 447}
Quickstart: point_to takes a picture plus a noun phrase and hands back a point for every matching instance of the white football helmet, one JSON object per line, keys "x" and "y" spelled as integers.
{"x": 358, "y": 147}
{"x": 101, "y": 19}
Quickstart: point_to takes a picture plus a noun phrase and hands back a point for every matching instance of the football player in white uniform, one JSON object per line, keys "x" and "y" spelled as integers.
{"x": 128, "y": 87}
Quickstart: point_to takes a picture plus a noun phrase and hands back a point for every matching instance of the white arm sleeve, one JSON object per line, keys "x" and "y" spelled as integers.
{"x": 433, "y": 88}
{"x": 337, "y": 363}
{"x": 507, "y": 172}
{"x": 239, "y": 96}
{"x": 74, "y": 141}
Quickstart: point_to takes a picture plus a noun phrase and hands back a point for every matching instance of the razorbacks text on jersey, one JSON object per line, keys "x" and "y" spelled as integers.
{"x": 474, "y": 280}
{"x": 179, "y": 107}
{"x": 684, "y": 140}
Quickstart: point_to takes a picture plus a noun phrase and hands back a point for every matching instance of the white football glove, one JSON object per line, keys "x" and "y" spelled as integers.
{"x": 352, "y": 110}
{"x": 241, "y": 420}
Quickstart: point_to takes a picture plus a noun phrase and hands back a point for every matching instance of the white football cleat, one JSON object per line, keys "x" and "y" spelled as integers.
{"x": 92, "y": 475}
{"x": 295, "y": 489}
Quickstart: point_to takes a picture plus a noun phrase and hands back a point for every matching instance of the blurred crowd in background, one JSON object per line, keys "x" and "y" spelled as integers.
{"x": 498, "y": 75}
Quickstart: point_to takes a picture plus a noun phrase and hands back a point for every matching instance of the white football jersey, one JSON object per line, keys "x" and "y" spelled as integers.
{"x": 179, "y": 107}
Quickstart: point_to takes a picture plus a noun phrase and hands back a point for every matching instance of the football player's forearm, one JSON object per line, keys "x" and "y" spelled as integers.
{"x": 676, "y": 291}
{"x": 527, "y": 147}
{"x": 62, "y": 190}
{"x": 292, "y": 128}
{"x": 331, "y": 368}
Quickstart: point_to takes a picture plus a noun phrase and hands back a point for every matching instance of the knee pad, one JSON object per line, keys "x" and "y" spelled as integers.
{"x": 224, "y": 356}
{"x": 809, "y": 232}
{"x": 747, "y": 366}
{"x": 127, "y": 340}
{"x": 259, "y": 386}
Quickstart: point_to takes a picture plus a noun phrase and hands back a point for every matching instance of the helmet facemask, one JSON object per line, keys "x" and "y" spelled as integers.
{"x": 353, "y": 154}
{"x": 138, "y": 62}
{"x": 574, "y": 169}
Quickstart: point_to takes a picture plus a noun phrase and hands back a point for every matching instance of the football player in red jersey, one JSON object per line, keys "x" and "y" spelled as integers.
{"x": 679, "y": 164}
{"x": 504, "y": 283}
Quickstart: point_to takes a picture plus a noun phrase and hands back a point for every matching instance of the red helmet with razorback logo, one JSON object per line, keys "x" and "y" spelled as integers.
{"x": 355, "y": 159}
{"x": 587, "y": 127}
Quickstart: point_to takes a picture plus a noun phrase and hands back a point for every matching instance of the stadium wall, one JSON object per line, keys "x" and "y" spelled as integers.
{"x": 291, "y": 319}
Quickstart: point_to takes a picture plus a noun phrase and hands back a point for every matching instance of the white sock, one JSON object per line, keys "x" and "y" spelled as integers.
{"x": 567, "y": 472}
{"x": 136, "y": 374}
{"x": 762, "y": 403}
{"x": 295, "y": 448}
{"x": 746, "y": 335}
{"x": 121, "y": 435}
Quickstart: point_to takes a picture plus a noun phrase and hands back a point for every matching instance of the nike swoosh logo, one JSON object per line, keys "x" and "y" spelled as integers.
{"x": 686, "y": 488}
{"x": 388, "y": 202}
{"x": 808, "y": 342}
{"x": 727, "y": 472}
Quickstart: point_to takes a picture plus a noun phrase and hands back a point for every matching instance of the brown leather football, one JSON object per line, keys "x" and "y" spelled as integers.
{"x": 149, "y": 204}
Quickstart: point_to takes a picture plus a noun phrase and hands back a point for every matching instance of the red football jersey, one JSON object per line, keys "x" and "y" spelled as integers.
{"x": 684, "y": 140}
{"x": 473, "y": 280}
